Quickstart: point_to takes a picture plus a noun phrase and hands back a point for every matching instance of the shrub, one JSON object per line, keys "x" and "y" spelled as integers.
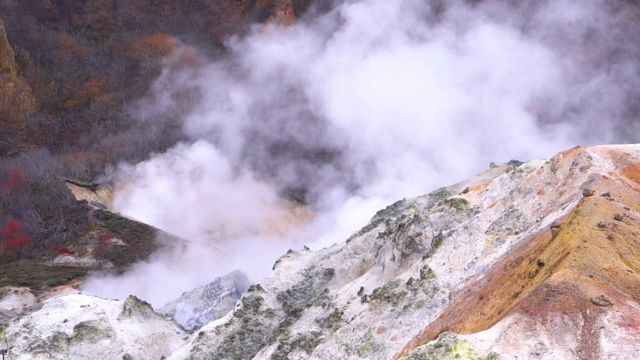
{"x": 62, "y": 250}
{"x": 16, "y": 180}
{"x": 103, "y": 246}
{"x": 33, "y": 192}
{"x": 16, "y": 242}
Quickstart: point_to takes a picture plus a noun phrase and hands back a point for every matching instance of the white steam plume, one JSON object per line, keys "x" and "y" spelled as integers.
{"x": 352, "y": 109}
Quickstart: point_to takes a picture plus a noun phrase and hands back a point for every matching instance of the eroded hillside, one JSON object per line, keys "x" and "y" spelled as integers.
{"x": 527, "y": 260}
{"x": 569, "y": 290}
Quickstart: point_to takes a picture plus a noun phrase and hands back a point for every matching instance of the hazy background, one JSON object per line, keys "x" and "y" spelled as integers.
{"x": 298, "y": 135}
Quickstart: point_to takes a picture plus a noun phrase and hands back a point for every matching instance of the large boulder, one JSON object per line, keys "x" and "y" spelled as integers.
{"x": 207, "y": 303}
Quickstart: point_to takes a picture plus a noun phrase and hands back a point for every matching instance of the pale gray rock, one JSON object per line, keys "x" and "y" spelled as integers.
{"x": 206, "y": 303}
{"x": 85, "y": 261}
{"x": 80, "y": 326}
{"x": 16, "y": 299}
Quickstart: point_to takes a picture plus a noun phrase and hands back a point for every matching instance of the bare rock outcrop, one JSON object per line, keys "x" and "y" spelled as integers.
{"x": 80, "y": 326}
{"x": 16, "y": 99}
{"x": 207, "y": 303}
{"x": 7, "y": 55}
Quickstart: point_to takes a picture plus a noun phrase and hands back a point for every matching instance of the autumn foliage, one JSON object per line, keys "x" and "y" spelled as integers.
{"x": 15, "y": 243}
{"x": 12, "y": 187}
{"x": 153, "y": 46}
{"x": 86, "y": 61}
{"x": 35, "y": 205}
{"x": 103, "y": 244}
{"x": 16, "y": 180}
{"x": 63, "y": 250}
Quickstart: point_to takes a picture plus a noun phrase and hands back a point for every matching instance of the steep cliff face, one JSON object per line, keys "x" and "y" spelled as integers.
{"x": 7, "y": 55}
{"x": 527, "y": 260}
{"x": 16, "y": 98}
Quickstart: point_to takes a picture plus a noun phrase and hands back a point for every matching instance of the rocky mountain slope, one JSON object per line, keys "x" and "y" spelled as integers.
{"x": 527, "y": 260}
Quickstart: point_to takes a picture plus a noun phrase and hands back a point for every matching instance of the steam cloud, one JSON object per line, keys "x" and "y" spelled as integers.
{"x": 354, "y": 108}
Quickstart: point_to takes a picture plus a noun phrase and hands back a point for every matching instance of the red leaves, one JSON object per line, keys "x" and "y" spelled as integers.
{"x": 15, "y": 240}
{"x": 12, "y": 229}
{"x": 105, "y": 237}
{"x": 62, "y": 250}
{"x": 14, "y": 183}
{"x": 102, "y": 247}
{"x": 16, "y": 180}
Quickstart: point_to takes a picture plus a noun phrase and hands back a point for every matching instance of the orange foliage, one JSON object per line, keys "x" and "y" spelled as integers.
{"x": 152, "y": 46}
{"x": 68, "y": 48}
{"x": 91, "y": 89}
{"x": 190, "y": 56}
{"x": 98, "y": 18}
{"x": 186, "y": 57}
{"x": 75, "y": 20}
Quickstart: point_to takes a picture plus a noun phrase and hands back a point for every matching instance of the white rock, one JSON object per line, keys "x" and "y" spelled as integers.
{"x": 16, "y": 299}
{"x": 86, "y": 327}
{"x": 207, "y": 303}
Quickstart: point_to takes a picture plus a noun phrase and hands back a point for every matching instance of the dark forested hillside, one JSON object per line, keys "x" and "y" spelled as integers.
{"x": 69, "y": 72}
{"x": 82, "y": 62}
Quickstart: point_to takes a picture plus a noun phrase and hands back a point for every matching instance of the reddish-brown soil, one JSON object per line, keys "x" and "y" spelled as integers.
{"x": 594, "y": 253}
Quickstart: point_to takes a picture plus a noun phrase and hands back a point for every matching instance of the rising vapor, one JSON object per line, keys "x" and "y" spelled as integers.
{"x": 298, "y": 135}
